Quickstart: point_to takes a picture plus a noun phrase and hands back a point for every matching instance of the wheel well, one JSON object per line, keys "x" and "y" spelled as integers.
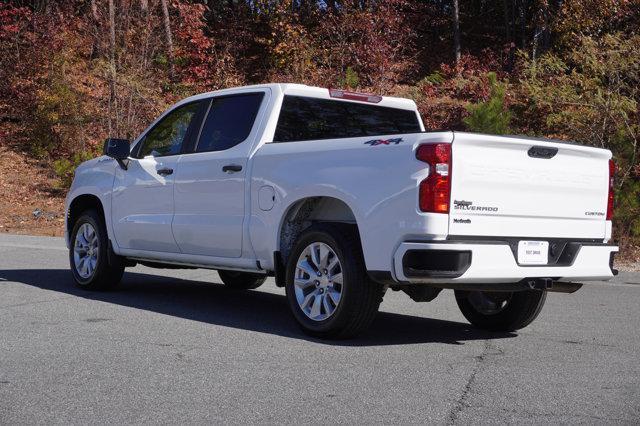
{"x": 81, "y": 204}
{"x": 307, "y": 211}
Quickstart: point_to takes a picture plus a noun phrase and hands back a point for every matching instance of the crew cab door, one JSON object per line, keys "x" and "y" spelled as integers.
{"x": 210, "y": 181}
{"x": 142, "y": 198}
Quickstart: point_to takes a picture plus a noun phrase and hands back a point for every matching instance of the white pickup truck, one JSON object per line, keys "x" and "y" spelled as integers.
{"x": 340, "y": 196}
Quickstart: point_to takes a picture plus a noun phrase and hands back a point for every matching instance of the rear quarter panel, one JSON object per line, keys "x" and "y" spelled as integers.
{"x": 377, "y": 182}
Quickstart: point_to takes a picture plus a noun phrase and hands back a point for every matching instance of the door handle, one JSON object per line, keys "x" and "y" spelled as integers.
{"x": 232, "y": 168}
{"x": 165, "y": 172}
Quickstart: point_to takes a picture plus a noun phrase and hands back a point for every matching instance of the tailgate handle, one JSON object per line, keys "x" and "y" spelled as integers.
{"x": 542, "y": 152}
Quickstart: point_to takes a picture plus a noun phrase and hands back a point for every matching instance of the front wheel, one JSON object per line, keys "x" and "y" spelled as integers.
{"x": 327, "y": 286}
{"x": 89, "y": 255}
{"x": 501, "y": 311}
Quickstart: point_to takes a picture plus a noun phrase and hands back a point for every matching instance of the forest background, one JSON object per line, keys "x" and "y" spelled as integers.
{"x": 73, "y": 72}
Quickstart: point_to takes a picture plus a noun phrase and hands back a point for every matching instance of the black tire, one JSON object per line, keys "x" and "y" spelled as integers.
{"x": 519, "y": 310}
{"x": 360, "y": 297}
{"x": 109, "y": 267}
{"x": 241, "y": 280}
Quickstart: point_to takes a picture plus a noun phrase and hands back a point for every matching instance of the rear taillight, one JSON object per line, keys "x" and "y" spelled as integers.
{"x": 612, "y": 171}
{"x": 435, "y": 190}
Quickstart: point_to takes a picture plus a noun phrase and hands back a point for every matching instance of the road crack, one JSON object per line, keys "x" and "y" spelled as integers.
{"x": 462, "y": 401}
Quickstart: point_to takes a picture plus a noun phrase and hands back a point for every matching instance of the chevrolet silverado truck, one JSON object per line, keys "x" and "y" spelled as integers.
{"x": 341, "y": 196}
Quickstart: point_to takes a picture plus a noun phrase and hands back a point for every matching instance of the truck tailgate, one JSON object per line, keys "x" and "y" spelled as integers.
{"x": 519, "y": 187}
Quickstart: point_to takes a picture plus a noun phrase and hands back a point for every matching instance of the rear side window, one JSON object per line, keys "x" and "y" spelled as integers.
{"x": 303, "y": 119}
{"x": 229, "y": 121}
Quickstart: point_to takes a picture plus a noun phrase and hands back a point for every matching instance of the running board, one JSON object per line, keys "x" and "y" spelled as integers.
{"x": 168, "y": 264}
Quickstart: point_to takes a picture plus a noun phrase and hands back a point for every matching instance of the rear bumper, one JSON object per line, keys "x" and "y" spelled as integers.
{"x": 467, "y": 263}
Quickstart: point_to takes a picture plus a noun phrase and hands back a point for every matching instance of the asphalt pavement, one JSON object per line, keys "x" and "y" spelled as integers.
{"x": 174, "y": 346}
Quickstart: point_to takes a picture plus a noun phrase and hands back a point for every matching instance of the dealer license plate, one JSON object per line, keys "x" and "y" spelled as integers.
{"x": 533, "y": 252}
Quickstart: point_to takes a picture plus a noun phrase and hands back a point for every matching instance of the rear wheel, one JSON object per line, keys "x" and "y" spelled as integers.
{"x": 327, "y": 287}
{"x": 92, "y": 265}
{"x": 501, "y": 311}
{"x": 241, "y": 280}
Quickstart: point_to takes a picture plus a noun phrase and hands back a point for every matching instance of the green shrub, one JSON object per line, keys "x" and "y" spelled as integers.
{"x": 435, "y": 77}
{"x": 351, "y": 80}
{"x": 58, "y": 115}
{"x": 591, "y": 94}
{"x": 490, "y": 116}
{"x": 65, "y": 168}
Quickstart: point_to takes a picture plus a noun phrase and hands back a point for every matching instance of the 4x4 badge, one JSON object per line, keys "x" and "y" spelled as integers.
{"x": 375, "y": 142}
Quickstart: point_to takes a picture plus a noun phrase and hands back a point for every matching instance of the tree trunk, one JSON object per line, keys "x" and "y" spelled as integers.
{"x": 507, "y": 35}
{"x": 94, "y": 11}
{"x": 168, "y": 37}
{"x": 507, "y": 21}
{"x": 534, "y": 47}
{"x": 95, "y": 22}
{"x": 331, "y": 5}
{"x": 456, "y": 32}
{"x": 546, "y": 34}
{"x": 523, "y": 24}
{"x": 541, "y": 36}
{"x": 113, "y": 98}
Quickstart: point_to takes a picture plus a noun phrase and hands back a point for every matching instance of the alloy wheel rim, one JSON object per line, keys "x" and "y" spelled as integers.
{"x": 318, "y": 281}
{"x": 85, "y": 251}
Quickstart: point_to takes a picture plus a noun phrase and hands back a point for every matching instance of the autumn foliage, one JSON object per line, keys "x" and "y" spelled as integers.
{"x": 563, "y": 69}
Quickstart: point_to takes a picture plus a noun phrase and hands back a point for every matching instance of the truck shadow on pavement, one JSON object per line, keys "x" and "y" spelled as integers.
{"x": 255, "y": 310}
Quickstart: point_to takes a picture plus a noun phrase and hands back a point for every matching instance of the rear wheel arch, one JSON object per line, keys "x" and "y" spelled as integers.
{"x": 304, "y": 212}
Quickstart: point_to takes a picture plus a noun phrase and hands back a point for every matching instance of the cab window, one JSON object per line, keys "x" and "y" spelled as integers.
{"x": 229, "y": 121}
{"x": 168, "y": 135}
{"x": 303, "y": 118}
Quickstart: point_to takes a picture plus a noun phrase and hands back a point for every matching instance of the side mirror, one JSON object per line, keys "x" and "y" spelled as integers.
{"x": 118, "y": 149}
